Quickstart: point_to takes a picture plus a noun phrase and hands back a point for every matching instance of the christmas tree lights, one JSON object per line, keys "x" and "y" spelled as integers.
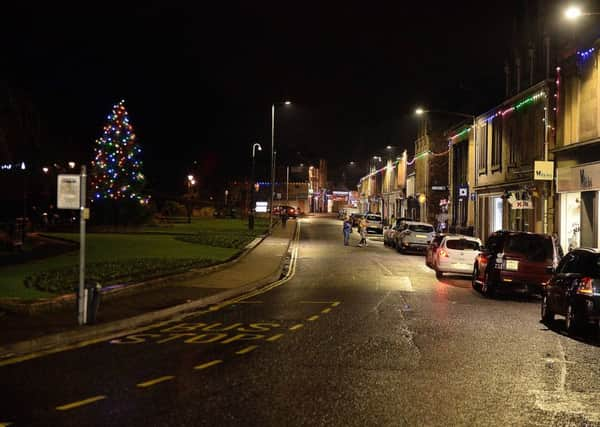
{"x": 117, "y": 168}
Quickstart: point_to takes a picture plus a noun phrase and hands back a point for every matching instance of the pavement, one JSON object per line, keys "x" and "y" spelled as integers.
{"x": 350, "y": 337}
{"x": 260, "y": 266}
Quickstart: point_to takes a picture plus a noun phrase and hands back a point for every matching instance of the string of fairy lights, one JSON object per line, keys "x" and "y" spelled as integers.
{"x": 502, "y": 112}
{"x": 117, "y": 169}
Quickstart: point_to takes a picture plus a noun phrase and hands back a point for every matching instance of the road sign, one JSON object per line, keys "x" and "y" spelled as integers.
{"x": 463, "y": 191}
{"x": 68, "y": 191}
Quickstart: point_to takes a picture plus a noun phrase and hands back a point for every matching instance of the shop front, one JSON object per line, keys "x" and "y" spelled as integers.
{"x": 511, "y": 207}
{"x": 579, "y": 201}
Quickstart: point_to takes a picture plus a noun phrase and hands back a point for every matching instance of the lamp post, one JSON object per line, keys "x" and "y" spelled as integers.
{"x": 273, "y": 169}
{"x": 191, "y": 181}
{"x": 255, "y": 146}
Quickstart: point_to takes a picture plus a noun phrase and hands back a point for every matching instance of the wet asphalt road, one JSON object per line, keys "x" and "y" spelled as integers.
{"x": 359, "y": 336}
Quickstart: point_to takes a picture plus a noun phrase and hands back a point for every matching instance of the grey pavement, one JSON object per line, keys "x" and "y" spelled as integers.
{"x": 357, "y": 337}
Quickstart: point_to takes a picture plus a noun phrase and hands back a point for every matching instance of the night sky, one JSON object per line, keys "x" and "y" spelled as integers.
{"x": 199, "y": 79}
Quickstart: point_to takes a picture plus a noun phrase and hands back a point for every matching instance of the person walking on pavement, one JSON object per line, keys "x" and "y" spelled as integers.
{"x": 284, "y": 218}
{"x": 347, "y": 230}
{"x": 362, "y": 229}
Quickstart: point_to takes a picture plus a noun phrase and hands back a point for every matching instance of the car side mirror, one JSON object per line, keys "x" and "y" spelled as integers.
{"x": 550, "y": 269}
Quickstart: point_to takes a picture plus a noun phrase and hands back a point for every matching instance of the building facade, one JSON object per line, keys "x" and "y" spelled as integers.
{"x": 577, "y": 152}
{"x": 508, "y": 140}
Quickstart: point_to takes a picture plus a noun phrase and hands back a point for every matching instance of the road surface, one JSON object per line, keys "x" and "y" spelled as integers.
{"x": 358, "y": 336}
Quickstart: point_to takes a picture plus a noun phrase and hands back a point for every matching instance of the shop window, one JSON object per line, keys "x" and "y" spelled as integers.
{"x": 482, "y": 142}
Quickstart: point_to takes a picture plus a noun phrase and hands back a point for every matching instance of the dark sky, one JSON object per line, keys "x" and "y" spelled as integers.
{"x": 199, "y": 79}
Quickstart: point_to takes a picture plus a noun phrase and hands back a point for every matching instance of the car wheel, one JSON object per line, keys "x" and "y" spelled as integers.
{"x": 474, "y": 283}
{"x": 547, "y": 314}
{"x": 438, "y": 273}
{"x": 572, "y": 321}
{"x": 487, "y": 288}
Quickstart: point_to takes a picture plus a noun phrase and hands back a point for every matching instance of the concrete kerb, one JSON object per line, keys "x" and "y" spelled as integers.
{"x": 57, "y": 303}
{"x": 127, "y": 326}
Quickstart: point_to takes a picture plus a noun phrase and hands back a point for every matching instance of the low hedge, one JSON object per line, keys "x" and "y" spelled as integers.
{"x": 65, "y": 280}
{"x": 222, "y": 239}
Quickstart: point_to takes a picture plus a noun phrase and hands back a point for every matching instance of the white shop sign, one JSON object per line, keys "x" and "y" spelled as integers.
{"x": 543, "y": 171}
{"x": 578, "y": 178}
{"x": 522, "y": 204}
{"x": 68, "y": 196}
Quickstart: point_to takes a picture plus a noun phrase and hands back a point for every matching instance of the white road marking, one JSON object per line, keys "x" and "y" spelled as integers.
{"x": 563, "y": 401}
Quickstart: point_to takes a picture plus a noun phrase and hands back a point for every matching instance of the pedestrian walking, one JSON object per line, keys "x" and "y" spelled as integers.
{"x": 284, "y": 219}
{"x": 362, "y": 229}
{"x": 347, "y": 229}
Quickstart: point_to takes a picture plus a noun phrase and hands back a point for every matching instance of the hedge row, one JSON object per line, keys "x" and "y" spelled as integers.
{"x": 65, "y": 280}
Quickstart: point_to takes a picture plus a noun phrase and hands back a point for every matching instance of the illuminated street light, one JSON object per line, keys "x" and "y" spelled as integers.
{"x": 573, "y": 12}
{"x": 45, "y": 169}
{"x": 419, "y": 111}
{"x": 72, "y": 165}
{"x": 190, "y": 178}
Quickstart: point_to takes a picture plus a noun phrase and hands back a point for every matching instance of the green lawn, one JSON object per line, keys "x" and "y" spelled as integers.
{"x": 155, "y": 243}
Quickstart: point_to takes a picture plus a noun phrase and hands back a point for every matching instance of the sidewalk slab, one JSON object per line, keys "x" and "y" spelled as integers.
{"x": 262, "y": 264}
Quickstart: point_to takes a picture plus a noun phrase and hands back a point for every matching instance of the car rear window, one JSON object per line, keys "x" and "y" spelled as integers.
{"x": 462, "y": 244}
{"x": 421, "y": 228}
{"x": 373, "y": 218}
{"x": 534, "y": 248}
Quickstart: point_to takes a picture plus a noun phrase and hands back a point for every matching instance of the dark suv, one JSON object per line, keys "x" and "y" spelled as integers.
{"x": 515, "y": 261}
{"x": 574, "y": 290}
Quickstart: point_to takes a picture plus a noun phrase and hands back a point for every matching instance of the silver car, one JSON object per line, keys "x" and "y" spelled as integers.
{"x": 414, "y": 236}
{"x": 374, "y": 223}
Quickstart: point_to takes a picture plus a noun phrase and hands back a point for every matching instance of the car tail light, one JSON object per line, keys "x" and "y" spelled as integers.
{"x": 443, "y": 253}
{"x": 586, "y": 286}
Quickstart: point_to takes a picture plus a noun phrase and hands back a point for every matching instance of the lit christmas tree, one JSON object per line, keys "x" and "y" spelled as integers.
{"x": 117, "y": 168}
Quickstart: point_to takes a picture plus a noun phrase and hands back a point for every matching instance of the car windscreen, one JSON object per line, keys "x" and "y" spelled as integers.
{"x": 462, "y": 244}
{"x": 373, "y": 218}
{"x": 534, "y": 248}
{"x": 418, "y": 228}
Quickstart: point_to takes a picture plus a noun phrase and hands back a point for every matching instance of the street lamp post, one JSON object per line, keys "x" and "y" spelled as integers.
{"x": 191, "y": 181}
{"x": 273, "y": 166}
{"x": 255, "y": 146}
{"x": 573, "y": 13}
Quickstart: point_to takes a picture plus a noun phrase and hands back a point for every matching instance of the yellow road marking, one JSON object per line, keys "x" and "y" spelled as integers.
{"x": 298, "y": 326}
{"x": 79, "y": 403}
{"x": 287, "y": 278}
{"x": 155, "y": 381}
{"x": 208, "y": 364}
{"x": 335, "y": 304}
{"x": 313, "y": 318}
{"x": 317, "y": 302}
{"x": 247, "y": 349}
{"x": 326, "y": 310}
{"x": 275, "y": 337}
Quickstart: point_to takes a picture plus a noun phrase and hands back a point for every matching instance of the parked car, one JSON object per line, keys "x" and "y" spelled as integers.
{"x": 414, "y": 236}
{"x": 456, "y": 254}
{"x": 574, "y": 289}
{"x": 291, "y": 211}
{"x": 433, "y": 247}
{"x": 515, "y": 261}
{"x": 374, "y": 223}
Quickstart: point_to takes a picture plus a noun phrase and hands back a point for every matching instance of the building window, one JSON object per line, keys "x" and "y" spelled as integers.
{"x": 496, "y": 132}
{"x": 512, "y": 139}
{"x": 482, "y": 140}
